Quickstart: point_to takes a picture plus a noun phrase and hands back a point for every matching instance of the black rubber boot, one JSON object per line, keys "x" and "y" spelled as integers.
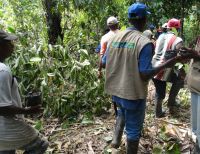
{"x": 158, "y": 108}
{"x": 172, "y": 104}
{"x": 38, "y": 148}
{"x": 132, "y": 147}
{"x": 173, "y": 93}
{"x": 119, "y": 128}
{"x": 196, "y": 148}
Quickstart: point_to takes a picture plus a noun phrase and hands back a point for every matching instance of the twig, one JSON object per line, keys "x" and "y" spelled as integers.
{"x": 176, "y": 124}
{"x": 91, "y": 151}
{"x": 29, "y": 121}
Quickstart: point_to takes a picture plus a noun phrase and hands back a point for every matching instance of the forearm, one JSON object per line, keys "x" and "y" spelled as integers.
{"x": 192, "y": 54}
{"x": 12, "y": 110}
{"x": 164, "y": 65}
{"x": 153, "y": 71}
{"x": 100, "y": 64}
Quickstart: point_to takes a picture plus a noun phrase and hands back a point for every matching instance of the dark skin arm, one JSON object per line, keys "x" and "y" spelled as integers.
{"x": 192, "y": 53}
{"x": 169, "y": 63}
{"x": 100, "y": 69}
{"x": 13, "y": 110}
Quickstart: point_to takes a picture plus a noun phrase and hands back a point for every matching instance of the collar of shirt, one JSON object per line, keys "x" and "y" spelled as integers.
{"x": 131, "y": 28}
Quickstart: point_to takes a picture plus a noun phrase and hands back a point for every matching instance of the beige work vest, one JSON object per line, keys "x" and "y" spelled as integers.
{"x": 122, "y": 71}
{"x": 193, "y": 80}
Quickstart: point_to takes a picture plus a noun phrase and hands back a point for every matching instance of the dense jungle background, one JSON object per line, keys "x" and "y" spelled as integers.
{"x": 55, "y": 54}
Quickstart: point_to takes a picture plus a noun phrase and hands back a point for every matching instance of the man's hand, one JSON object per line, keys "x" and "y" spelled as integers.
{"x": 13, "y": 110}
{"x": 187, "y": 52}
{"x": 34, "y": 109}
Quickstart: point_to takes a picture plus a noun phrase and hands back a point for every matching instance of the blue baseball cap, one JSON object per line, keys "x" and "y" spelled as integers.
{"x": 151, "y": 26}
{"x": 137, "y": 11}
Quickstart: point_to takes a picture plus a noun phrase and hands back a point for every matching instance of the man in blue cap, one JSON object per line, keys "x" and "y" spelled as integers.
{"x": 128, "y": 69}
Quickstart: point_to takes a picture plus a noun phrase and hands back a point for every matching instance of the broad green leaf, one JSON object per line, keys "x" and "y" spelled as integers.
{"x": 157, "y": 149}
{"x": 35, "y": 59}
{"x": 83, "y": 51}
{"x": 11, "y": 29}
{"x": 50, "y": 74}
{"x": 123, "y": 28}
{"x": 179, "y": 65}
{"x": 65, "y": 125}
{"x": 174, "y": 148}
{"x": 86, "y": 63}
{"x": 43, "y": 82}
{"x": 171, "y": 147}
{"x": 87, "y": 121}
{"x": 38, "y": 125}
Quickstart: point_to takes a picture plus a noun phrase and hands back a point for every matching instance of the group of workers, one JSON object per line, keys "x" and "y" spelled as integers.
{"x": 131, "y": 58}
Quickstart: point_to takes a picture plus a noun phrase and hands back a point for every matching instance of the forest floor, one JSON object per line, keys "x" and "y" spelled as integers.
{"x": 165, "y": 135}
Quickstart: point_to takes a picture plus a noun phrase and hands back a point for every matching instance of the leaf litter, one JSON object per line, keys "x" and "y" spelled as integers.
{"x": 171, "y": 134}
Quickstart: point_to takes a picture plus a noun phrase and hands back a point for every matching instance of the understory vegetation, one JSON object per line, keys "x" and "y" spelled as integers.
{"x": 55, "y": 50}
{"x": 55, "y": 54}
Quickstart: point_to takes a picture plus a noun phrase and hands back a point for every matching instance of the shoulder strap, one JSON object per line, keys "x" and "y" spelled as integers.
{"x": 171, "y": 41}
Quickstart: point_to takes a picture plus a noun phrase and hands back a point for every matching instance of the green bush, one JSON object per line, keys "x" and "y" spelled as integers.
{"x": 67, "y": 81}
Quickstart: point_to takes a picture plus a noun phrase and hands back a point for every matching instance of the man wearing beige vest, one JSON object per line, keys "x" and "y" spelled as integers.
{"x": 128, "y": 69}
{"x": 193, "y": 82}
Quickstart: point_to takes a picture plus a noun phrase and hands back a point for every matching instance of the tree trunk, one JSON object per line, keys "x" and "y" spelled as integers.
{"x": 53, "y": 19}
{"x": 182, "y": 16}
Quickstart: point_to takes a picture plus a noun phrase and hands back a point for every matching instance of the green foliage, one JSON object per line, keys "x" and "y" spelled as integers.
{"x": 173, "y": 148}
{"x": 162, "y": 10}
{"x": 66, "y": 73}
{"x": 67, "y": 81}
{"x": 192, "y": 24}
{"x": 157, "y": 149}
{"x": 39, "y": 125}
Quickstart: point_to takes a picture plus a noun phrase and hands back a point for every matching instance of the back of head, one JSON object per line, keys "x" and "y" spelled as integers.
{"x": 4, "y": 36}
{"x": 174, "y": 23}
{"x": 136, "y": 13}
{"x": 112, "y": 23}
{"x": 6, "y": 45}
{"x": 151, "y": 27}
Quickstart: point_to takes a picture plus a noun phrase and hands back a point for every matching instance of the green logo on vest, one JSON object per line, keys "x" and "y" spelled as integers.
{"x": 123, "y": 45}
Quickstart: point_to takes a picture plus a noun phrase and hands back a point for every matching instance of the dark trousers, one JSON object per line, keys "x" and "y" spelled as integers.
{"x": 177, "y": 84}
